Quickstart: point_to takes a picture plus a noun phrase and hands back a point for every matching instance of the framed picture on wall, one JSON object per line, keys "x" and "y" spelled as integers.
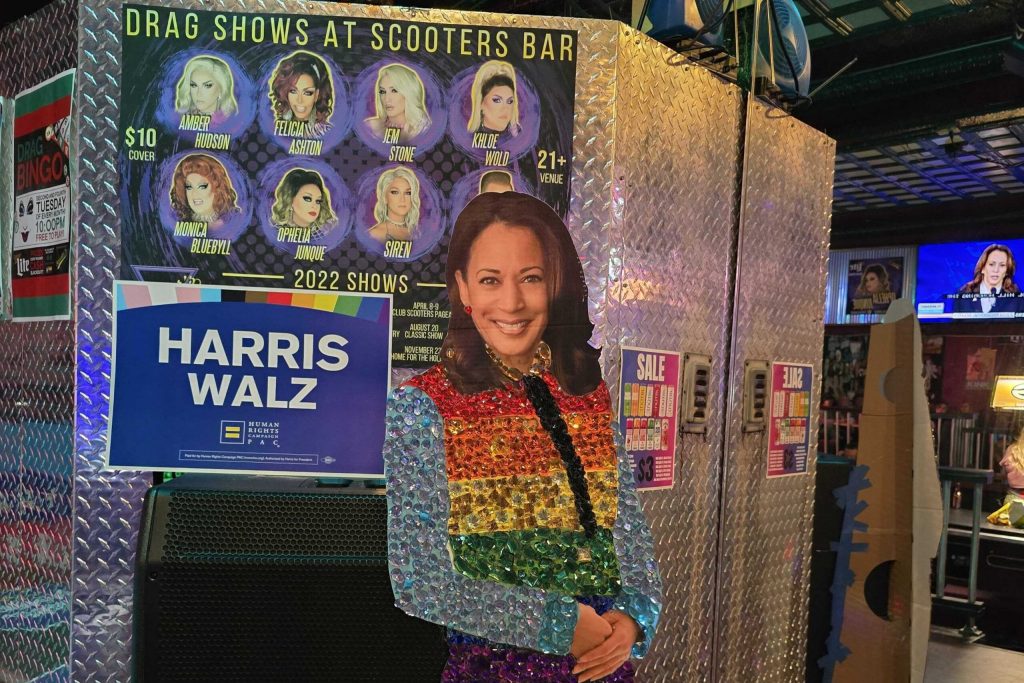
{"x": 873, "y": 283}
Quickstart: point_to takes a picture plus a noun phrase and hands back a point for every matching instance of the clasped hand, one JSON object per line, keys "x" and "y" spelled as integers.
{"x": 601, "y": 643}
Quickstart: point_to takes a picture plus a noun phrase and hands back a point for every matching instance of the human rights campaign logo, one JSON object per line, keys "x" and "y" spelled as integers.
{"x": 232, "y": 431}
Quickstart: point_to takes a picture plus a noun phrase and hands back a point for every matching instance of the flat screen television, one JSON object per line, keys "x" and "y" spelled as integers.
{"x": 970, "y": 281}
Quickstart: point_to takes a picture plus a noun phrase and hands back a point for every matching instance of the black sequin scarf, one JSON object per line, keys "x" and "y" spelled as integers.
{"x": 554, "y": 424}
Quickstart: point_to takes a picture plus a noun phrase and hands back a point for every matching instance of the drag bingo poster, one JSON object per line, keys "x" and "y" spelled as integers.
{"x": 331, "y": 153}
{"x": 6, "y": 218}
{"x": 41, "y": 235}
{"x": 873, "y": 284}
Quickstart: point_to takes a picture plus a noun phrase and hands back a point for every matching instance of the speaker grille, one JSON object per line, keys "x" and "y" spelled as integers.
{"x": 265, "y": 586}
{"x": 300, "y": 527}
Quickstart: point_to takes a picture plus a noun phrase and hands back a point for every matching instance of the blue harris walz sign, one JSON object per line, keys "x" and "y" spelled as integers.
{"x": 233, "y": 379}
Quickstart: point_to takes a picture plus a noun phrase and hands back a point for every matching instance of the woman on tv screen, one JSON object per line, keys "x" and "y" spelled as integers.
{"x": 991, "y": 289}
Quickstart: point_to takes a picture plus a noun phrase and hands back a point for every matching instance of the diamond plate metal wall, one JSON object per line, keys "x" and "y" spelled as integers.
{"x": 656, "y": 148}
{"x": 764, "y": 567}
{"x": 36, "y": 414}
{"x": 108, "y": 505}
{"x": 676, "y": 168}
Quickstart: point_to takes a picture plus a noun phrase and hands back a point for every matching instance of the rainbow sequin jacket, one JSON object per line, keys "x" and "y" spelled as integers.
{"x": 483, "y": 533}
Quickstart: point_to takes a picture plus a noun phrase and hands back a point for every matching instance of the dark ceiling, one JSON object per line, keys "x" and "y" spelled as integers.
{"x": 929, "y": 120}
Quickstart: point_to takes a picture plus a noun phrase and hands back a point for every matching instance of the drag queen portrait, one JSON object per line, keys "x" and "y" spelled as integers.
{"x": 875, "y": 280}
{"x": 513, "y": 515}
{"x": 201, "y": 190}
{"x": 496, "y": 181}
{"x": 302, "y": 201}
{"x": 495, "y": 105}
{"x": 399, "y": 102}
{"x": 398, "y": 206}
{"x": 302, "y": 89}
{"x": 206, "y": 87}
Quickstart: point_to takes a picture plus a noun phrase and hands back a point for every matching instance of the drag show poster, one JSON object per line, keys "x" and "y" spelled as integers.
{"x": 41, "y": 234}
{"x": 789, "y": 419}
{"x": 648, "y": 416}
{"x": 331, "y": 153}
{"x": 238, "y": 379}
{"x": 873, "y": 284}
{"x": 6, "y": 218}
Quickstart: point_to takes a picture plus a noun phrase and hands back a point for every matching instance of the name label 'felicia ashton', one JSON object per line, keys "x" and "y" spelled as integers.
{"x": 291, "y": 129}
{"x": 301, "y": 146}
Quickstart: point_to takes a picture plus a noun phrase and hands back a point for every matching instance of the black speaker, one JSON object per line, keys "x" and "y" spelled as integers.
{"x": 271, "y": 579}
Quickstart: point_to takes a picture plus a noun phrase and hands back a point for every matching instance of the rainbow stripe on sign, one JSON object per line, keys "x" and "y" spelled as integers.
{"x": 141, "y": 294}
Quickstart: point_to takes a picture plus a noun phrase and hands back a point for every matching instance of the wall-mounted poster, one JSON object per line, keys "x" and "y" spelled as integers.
{"x": 843, "y": 369}
{"x": 330, "y": 153}
{"x": 6, "y": 216}
{"x": 238, "y": 379}
{"x": 981, "y": 369}
{"x": 789, "y": 419}
{"x": 648, "y": 416}
{"x": 873, "y": 284}
{"x": 41, "y": 234}
{"x": 932, "y": 361}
